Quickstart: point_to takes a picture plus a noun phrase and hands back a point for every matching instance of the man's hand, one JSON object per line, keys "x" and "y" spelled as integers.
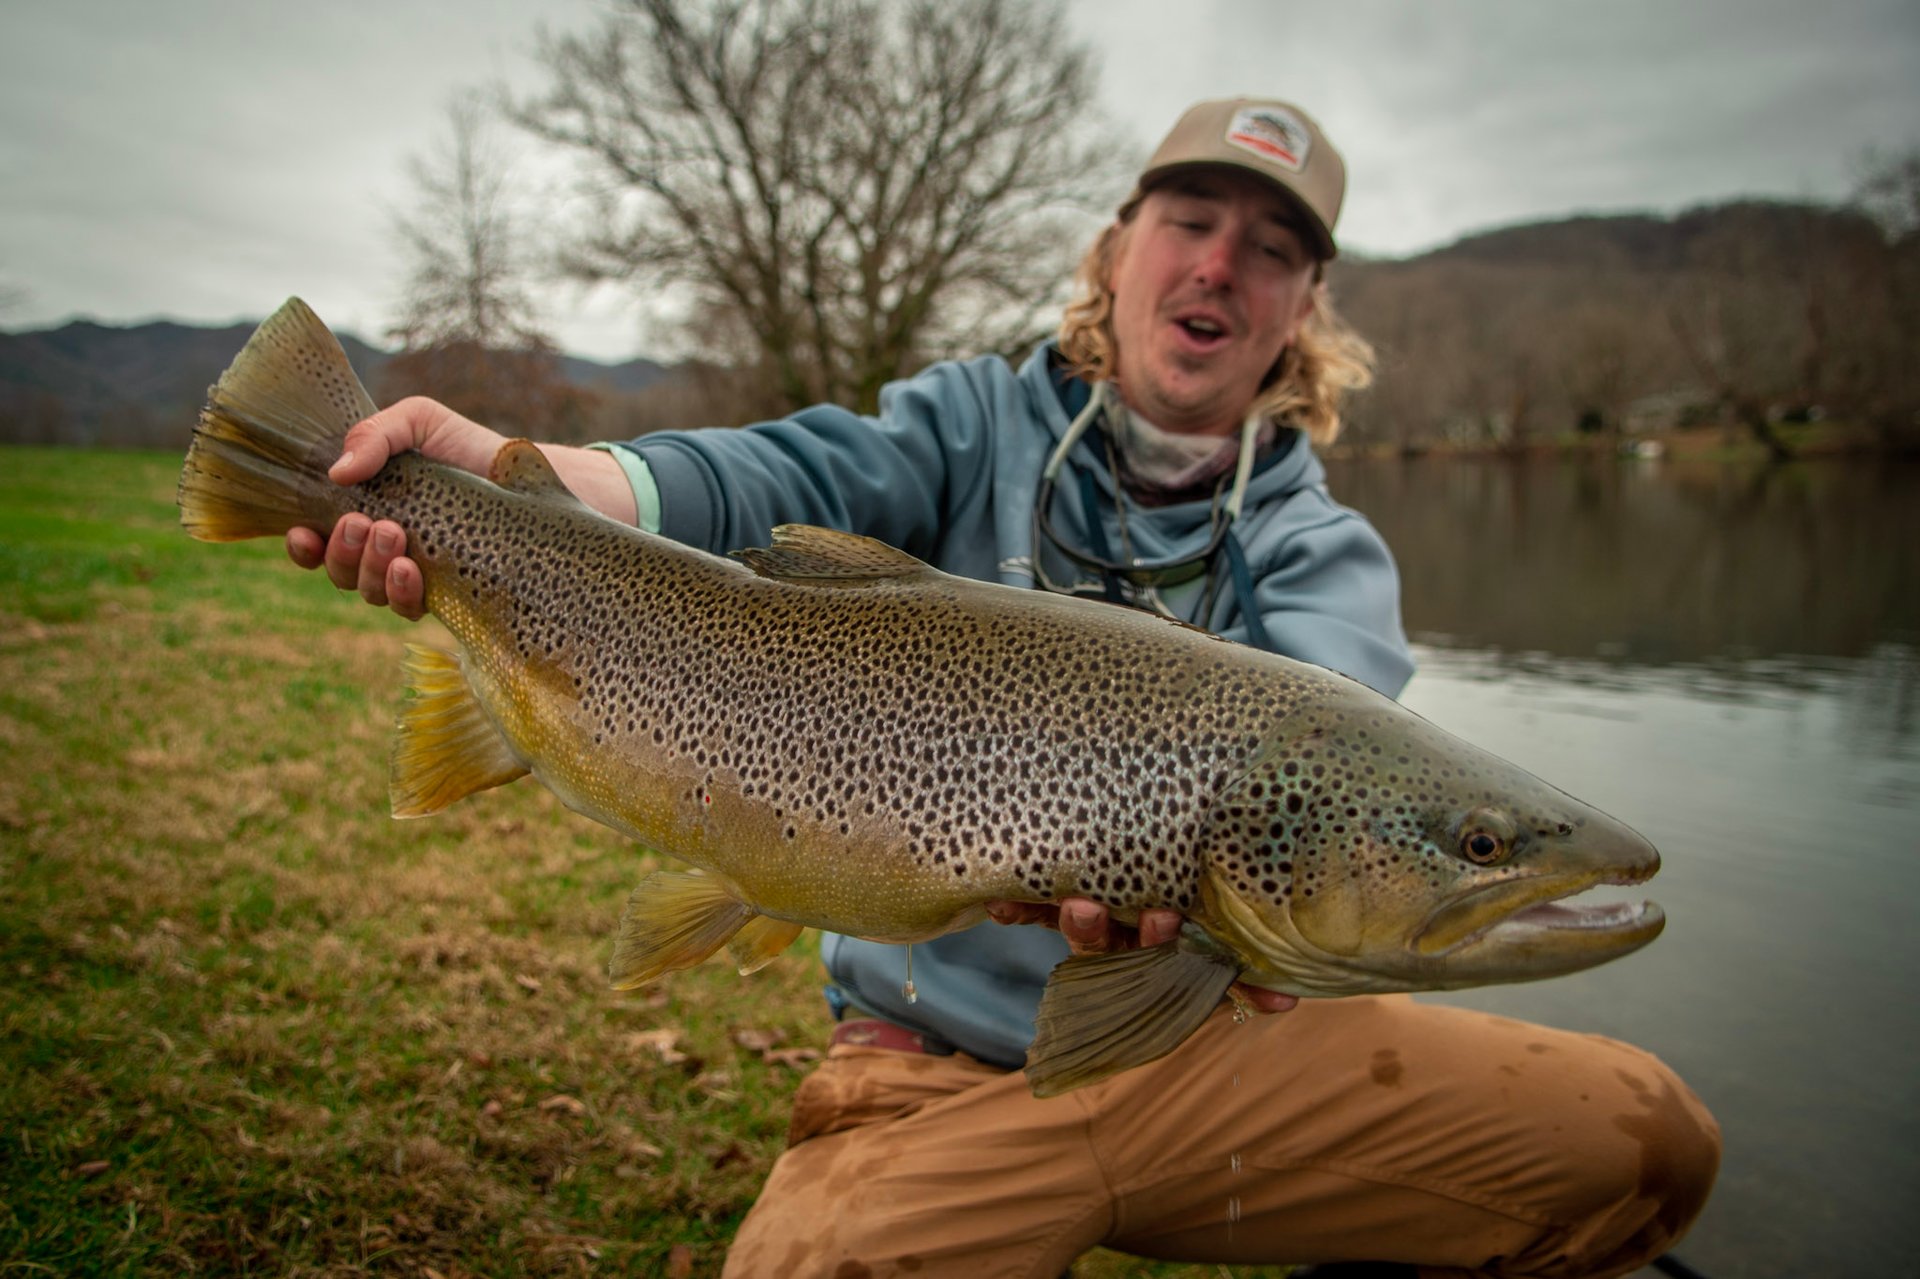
{"x": 1089, "y": 930}
{"x": 370, "y": 556}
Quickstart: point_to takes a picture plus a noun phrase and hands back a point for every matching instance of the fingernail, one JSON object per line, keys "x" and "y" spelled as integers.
{"x": 1083, "y": 916}
{"x": 386, "y": 541}
{"x": 341, "y": 463}
{"x": 354, "y": 534}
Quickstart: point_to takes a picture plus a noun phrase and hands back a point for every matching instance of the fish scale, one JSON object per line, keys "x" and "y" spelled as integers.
{"x": 834, "y": 734}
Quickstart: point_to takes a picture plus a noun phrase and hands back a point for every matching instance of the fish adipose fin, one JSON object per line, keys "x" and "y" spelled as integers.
{"x": 273, "y": 424}
{"x": 447, "y": 747}
{"x": 760, "y": 942}
{"x": 826, "y": 557}
{"x": 523, "y": 468}
{"x": 1102, "y": 1014}
{"x": 674, "y": 919}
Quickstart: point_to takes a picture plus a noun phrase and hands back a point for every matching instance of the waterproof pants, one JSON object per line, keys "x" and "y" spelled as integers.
{"x": 1375, "y": 1128}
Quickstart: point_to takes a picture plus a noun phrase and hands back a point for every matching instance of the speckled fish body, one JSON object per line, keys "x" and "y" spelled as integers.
{"x": 839, "y": 736}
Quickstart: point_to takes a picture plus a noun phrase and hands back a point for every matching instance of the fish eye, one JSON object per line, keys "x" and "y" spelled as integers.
{"x": 1486, "y": 837}
{"x": 1482, "y": 848}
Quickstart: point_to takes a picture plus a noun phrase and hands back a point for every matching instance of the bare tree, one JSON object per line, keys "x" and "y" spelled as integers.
{"x": 1889, "y": 191}
{"x": 12, "y": 295}
{"x": 852, "y": 186}
{"x": 468, "y": 324}
{"x": 468, "y": 270}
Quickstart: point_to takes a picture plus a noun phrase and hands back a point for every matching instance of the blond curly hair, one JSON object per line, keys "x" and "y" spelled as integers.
{"x": 1305, "y": 386}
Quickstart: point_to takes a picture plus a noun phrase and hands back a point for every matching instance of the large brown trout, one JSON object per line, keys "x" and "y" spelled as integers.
{"x": 836, "y": 735}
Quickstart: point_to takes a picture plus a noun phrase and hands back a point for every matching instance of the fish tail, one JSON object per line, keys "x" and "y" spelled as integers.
{"x": 273, "y": 424}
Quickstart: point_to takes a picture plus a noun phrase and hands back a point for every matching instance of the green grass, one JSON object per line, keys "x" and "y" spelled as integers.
{"x": 251, "y": 1025}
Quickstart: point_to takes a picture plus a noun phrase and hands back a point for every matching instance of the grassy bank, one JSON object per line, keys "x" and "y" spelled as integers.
{"x": 252, "y": 1025}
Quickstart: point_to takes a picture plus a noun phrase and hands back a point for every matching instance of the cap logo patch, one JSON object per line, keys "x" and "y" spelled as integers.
{"x": 1275, "y": 134}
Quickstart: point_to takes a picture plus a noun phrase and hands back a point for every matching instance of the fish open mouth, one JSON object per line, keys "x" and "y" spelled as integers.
{"x": 1536, "y": 915}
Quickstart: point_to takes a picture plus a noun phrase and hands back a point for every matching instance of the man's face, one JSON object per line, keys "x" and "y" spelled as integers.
{"x": 1210, "y": 284}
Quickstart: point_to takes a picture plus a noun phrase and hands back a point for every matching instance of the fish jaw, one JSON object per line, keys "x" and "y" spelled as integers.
{"x": 1527, "y": 928}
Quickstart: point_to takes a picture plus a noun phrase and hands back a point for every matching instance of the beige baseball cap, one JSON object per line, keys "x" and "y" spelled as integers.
{"x": 1275, "y": 140}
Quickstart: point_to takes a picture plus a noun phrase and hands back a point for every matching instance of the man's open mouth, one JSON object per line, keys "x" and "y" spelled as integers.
{"x": 1202, "y": 330}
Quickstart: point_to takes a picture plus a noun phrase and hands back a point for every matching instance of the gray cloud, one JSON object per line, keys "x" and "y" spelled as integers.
{"x": 201, "y": 159}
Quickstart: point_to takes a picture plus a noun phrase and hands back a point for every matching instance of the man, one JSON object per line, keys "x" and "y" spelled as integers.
{"x": 1156, "y": 454}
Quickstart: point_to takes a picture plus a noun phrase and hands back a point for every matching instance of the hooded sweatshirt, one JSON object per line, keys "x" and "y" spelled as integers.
{"x": 949, "y": 471}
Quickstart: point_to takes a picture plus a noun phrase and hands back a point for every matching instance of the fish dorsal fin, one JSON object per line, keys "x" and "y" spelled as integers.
{"x": 828, "y": 557}
{"x": 523, "y": 468}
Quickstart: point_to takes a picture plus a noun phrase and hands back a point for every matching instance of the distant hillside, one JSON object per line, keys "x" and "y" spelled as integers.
{"x": 1612, "y": 323}
{"x": 1744, "y": 311}
{"x": 142, "y": 385}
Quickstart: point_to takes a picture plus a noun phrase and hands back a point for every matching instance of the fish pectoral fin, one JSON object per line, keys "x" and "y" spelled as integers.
{"x": 447, "y": 746}
{"x": 674, "y": 919}
{"x": 519, "y": 465}
{"x": 1102, "y": 1014}
{"x": 760, "y": 941}
{"x": 828, "y": 557}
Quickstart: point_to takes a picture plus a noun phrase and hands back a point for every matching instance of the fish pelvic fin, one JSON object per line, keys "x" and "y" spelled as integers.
{"x": 448, "y": 746}
{"x": 760, "y": 941}
{"x": 522, "y": 467}
{"x": 273, "y": 424}
{"x": 813, "y": 556}
{"x": 1102, "y": 1014}
{"x": 674, "y": 919}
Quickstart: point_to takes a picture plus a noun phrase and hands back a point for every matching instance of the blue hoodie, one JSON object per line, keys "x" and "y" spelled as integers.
{"x": 949, "y": 471}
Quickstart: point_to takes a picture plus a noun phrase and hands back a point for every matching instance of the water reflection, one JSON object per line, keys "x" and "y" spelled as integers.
{"x": 1649, "y": 563}
{"x": 1729, "y": 662}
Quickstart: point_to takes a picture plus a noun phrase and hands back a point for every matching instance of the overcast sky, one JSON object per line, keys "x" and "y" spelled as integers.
{"x": 202, "y": 159}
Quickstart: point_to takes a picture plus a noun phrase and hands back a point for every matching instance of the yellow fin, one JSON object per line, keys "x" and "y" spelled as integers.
{"x": 1102, "y": 1014}
{"x": 674, "y": 919}
{"x": 760, "y": 942}
{"x": 448, "y": 747}
{"x": 827, "y": 557}
{"x": 522, "y": 467}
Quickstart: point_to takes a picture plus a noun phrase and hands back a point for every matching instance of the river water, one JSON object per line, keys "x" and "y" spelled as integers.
{"x": 1729, "y": 660}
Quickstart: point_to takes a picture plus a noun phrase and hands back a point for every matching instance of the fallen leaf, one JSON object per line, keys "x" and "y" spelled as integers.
{"x": 794, "y": 1057}
{"x": 679, "y": 1261}
{"x": 561, "y": 1102}
{"x": 91, "y": 1168}
{"x": 660, "y": 1041}
{"x": 493, "y": 1109}
{"x": 758, "y": 1041}
{"x": 529, "y": 984}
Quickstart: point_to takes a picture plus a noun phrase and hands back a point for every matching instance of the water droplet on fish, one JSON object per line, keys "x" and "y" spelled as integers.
{"x": 912, "y": 994}
{"x": 1236, "y": 1079}
{"x": 1240, "y": 1014}
{"x": 1235, "y": 1161}
{"x": 1233, "y": 1209}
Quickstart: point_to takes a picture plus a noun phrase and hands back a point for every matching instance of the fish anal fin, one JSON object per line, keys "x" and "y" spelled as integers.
{"x": 1102, "y": 1014}
{"x": 521, "y": 467}
{"x": 447, "y": 747}
{"x": 674, "y": 919}
{"x": 760, "y": 942}
{"x": 828, "y": 557}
